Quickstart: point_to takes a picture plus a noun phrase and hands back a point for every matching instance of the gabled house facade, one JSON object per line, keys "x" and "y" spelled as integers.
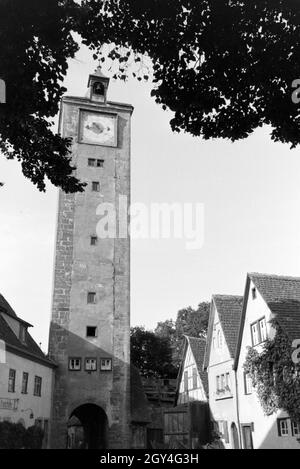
{"x": 267, "y": 297}
{"x": 26, "y": 374}
{"x": 192, "y": 380}
{"x": 224, "y": 320}
{"x": 187, "y": 424}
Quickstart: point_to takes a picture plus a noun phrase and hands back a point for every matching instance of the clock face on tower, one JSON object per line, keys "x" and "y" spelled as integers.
{"x": 98, "y": 129}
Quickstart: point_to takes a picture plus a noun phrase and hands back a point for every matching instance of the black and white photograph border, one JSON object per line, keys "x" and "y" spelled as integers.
{"x": 150, "y": 223}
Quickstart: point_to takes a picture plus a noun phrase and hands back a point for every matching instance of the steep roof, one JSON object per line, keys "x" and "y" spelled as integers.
{"x": 198, "y": 345}
{"x": 229, "y": 308}
{"x": 6, "y": 306}
{"x": 30, "y": 348}
{"x": 282, "y": 295}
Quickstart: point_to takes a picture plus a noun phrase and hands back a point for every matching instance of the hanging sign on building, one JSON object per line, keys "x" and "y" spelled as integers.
{"x": 8, "y": 404}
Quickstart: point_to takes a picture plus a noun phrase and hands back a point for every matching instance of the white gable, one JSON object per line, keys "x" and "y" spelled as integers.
{"x": 219, "y": 351}
{"x": 190, "y": 386}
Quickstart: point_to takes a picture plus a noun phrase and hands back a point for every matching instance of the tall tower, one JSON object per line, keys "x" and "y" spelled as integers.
{"x": 89, "y": 332}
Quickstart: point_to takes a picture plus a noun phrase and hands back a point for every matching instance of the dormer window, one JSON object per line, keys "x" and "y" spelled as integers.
{"x": 22, "y": 334}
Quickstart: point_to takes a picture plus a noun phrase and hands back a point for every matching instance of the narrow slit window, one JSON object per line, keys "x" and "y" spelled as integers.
{"x": 91, "y": 297}
{"x": 94, "y": 240}
{"x": 96, "y": 186}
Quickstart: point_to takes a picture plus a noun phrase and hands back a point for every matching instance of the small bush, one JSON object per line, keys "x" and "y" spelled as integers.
{"x": 15, "y": 436}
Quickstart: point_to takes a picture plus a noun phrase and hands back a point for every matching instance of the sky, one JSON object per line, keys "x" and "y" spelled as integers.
{"x": 249, "y": 189}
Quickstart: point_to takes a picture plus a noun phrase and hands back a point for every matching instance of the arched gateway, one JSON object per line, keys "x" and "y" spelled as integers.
{"x": 88, "y": 428}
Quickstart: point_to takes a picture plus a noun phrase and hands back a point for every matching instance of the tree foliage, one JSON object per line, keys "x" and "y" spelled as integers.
{"x": 224, "y": 67}
{"x": 35, "y": 44}
{"x": 275, "y": 376}
{"x": 191, "y": 322}
{"x": 16, "y": 436}
{"x": 152, "y": 355}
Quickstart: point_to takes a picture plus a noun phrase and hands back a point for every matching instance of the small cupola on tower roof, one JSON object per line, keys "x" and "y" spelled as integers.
{"x": 98, "y": 85}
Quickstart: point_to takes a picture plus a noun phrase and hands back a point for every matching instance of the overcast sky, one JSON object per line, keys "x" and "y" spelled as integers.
{"x": 251, "y": 194}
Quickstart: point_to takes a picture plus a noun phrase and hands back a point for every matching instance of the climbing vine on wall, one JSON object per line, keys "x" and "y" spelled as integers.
{"x": 275, "y": 377}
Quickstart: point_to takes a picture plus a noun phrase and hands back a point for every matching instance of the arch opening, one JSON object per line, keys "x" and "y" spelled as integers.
{"x": 88, "y": 428}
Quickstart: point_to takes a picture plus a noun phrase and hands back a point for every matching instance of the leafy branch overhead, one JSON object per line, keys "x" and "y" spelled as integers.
{"x": 224, "y": 67}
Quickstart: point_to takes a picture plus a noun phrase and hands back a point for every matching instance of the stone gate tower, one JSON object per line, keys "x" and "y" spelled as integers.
{"x": 89, "y": 332}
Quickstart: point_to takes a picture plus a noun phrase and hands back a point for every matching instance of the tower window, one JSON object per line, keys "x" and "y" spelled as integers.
{"x": 253, "y": 293}
{"x": 94, "y": 240}
{"x": 95, "y": 162}
{"x": 75, "y": 364}
{"x": 95, "y": 186}
{"x": 91, "y": 331}
{"x": 91, "y": 364}
{"x": 91, "y": 297}
{"x": 98, "y": 88}
{"x": 105, "y": 364}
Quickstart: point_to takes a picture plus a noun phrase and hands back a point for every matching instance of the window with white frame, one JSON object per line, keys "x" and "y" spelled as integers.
{"x": 283, "y": 427}
{"x": 75, "y": 364}
{"x": 105, "y": 364}
{"x": 248, "y": 383}
{"x": 254, "y": 331}
{"x": 295, "y": 428}
{"x": 263, "y": 329}
{"x": 259, "y": 331}
{"x": 91, "y": 364}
